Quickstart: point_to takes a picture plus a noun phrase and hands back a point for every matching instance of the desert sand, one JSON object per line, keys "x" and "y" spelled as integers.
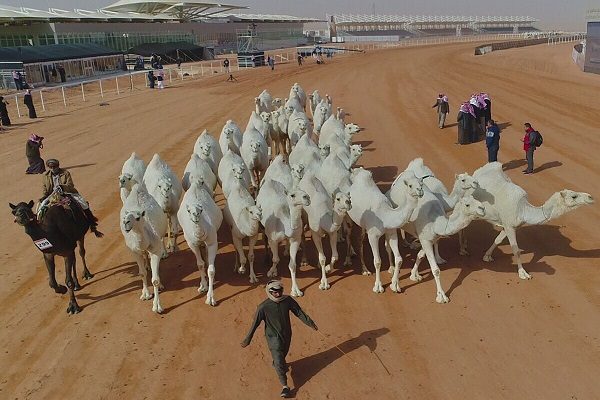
{"x": 498, "y": 338}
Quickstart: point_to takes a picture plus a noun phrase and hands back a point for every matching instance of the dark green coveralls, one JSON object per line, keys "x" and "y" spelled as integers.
{"x": 278, "y": 329}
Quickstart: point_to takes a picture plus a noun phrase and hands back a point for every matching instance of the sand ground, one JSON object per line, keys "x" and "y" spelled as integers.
{"x": 498, "y": 338}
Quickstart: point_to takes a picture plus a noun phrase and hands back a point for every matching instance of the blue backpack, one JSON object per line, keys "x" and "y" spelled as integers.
{"x": 536, "y": 139}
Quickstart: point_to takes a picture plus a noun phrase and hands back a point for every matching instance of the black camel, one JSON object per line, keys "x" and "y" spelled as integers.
{"x": 57, "y": 234}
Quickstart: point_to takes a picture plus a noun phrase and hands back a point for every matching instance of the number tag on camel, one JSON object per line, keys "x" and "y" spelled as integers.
{"x": 43, "y": 244}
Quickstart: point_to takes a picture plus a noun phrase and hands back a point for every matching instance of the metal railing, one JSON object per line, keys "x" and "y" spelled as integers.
{"x": 575, "y": 37}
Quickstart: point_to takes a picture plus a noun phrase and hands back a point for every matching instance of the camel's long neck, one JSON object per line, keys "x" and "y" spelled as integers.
{"x": 333, "y": 219}
{"x": 201, "y": 229}
{"x": 35, "y": 230}
{"x": 295, "y": 219}
{"x": 396, "y": 217}
{"x": 246, "y": 225}
{"x": 456, "y": 194}
{"x": 551, "y": 209}
{"x": 448, "y": 226}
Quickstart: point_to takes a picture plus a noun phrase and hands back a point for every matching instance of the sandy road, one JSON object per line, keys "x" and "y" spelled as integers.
{"x": 498, "y": 338}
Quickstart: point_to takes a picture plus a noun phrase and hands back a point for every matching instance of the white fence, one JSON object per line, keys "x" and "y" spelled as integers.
{"x": 576, "y": 37}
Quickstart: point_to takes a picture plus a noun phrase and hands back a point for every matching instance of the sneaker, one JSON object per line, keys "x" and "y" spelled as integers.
{"x": 286, "y": 392}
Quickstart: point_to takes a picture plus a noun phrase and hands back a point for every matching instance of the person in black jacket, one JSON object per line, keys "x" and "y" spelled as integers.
{"x": 492, "y": 140}
{"x": 466, "y": 120}
{"x": 443, "y": 109}
{"x": 4, "y": 112}
{"x": 28, "y": 101}
{"x": 275, "y": 312}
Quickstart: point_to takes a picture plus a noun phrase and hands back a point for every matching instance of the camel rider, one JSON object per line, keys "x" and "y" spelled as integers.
{"x": 275, "y": 311}
{"x": 59, "y": 180}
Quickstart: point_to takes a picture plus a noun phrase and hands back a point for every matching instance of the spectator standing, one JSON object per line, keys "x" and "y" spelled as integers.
{"x": 299, "y": 59}
{"x": 488, "y": 107}
{"x": 226, "y": 65}
{"x": 492, "y": 140}
{"x": 179, "y": 60}
{"x": 466, "y": 120}
{"x": 272, "y": 63}
{"x": 32, "y": 152}
{"x": 62, "y": 73}
{"x": 443, "y": 108}
{"x": 17, "y": 78}
{"x": 28, "y": 101}
{"x": 529, "y": 147}
{"x": 160, "y": 78}
{"x": 151, "y": 79}
{"x": 4, "y": 112}
{"x": 275, "y": 312}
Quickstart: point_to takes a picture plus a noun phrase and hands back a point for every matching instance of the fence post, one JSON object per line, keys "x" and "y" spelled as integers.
{"x": 201, "y": 70}
{"x": 101, "y": 91}
{"x": 117, "y": 81}
{"x": 17, "y": 103}
{"x": 64, "y": 98}
{"x": 170, "y": 76}
{"x": 82, "y": 92}
{"x": 42, "y": 100}
{"x": 131, "y": 82}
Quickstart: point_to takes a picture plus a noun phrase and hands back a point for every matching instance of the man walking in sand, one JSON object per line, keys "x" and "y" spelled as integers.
{"x": 529, "y": 147}
{"x": 275, "y": 312}
{"x": 443, "y": 108}
{"x": 492, "y": 140}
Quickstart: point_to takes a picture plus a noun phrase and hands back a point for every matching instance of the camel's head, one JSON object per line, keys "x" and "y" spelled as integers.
{"x": 126, "y": 180}
{"x": 255, "y": 146}
{"x": 130, "y": 219}
{"x": 238, "y": 171}
{"x": 196, "y": 178}
{"x": 228, "y": 132}
{"x": 466, "y": 182}
{"x": 275, "y": 114}
{"x": 340, "y": 114}
{"x": 414, "y": 187}
{"x": 288, "y": 110}
{"x": 302, "y": 125}
{"x": 572, "y": 199}
{"x": 164, "y": 186}
{"x": 266, "y": 117}
{"x": 324, "y": 150}
{"x": 471, "y": 207}
{"x": 280, "y": 159}
{"x": 255, "y": 212}
{"x": 297, "y": 171}
{"x": 342, "y": 202}
{"x": 205, "y": 149}
{"x": 356, "y": 151}
{"x": 322, "y": 109}
{"x": 195, "y": 212}
{"x": 299, "y": 198}
{"x": 352, "y": 129}
{"x": 277, "y": 102}
{"x": 23, "y": 212}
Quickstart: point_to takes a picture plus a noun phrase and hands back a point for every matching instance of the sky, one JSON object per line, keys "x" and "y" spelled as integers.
{"x": 553, "y": 14}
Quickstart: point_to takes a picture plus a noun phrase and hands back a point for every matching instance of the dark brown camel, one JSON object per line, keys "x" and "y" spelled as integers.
{"x": 57, "y": 235}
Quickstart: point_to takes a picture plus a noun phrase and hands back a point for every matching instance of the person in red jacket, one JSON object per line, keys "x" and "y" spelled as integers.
{"x": 528, "y": 147}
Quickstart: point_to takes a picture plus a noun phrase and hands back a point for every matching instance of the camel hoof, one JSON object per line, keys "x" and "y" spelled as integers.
{"x": 348, "y": 262}
{"x": 304, "y": 263}
{"x": 416, "y": 277}
{"x": 524, "y": 275}
{"x": 464, "y": 253}
{"x": 366, "y": 272}
{"x": 60, "y": 289}
{"x": 296, "y": 293}
{"x": 164, "y": 255}
{"x": 241, "y": 270}
{"x": 272, "y": 273}
{"x": 324, "y": 285}
{"x": 73, "y": 308}
{"x": 210, "y": 301}
{"x": 442, "y": 298}
{"x": 391, "y": 269}
{"x": 378, "y": 288}
{"x": 146, "y": 295}
{"x": 88, "y": 275}
{"x": 77, "y": 287}
{"x": 395, "y": 288}
{"x": 328, "y": 268}
{"x": 202, "y": 289}
{"x": 157, "y": 309}
{"x": 441, "y": 261}
{"x": 488, "y": 258}
{"x": 253, "y": 279}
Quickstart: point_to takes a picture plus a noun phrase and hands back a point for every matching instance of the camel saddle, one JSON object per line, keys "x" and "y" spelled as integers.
{"x": 57, "y": 200}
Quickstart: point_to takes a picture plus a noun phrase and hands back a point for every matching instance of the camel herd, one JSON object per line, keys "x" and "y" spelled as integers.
{"x": 289, "y": 174}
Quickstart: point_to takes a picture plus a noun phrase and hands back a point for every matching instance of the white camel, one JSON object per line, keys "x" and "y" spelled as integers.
{"x": 131, "y": 173}
{"x": 297, "y": 90}
{"x": 314, "y": 99}
{"x": 282, "y": 219}
{"x": 231, "y": 138}
{"x": 373, "y": 212}
{"x": 198, "y": 168}
{"x": 209, "y": 150}
{"x": 307, "y": 153}
{"x": 143, "y": 225}
{"x": 507, "y": 207}
{"x": 279, "y": 136}
{"x": 325, "y": 216}
{"x": 281, "y": 171}
{"x": 165, "y": 187}
{"x": 264, "y": 102}
{"x": 320, "y": 115}
{"x": 260, "y": 122}
{"x": 200, "y": 219}
{"x": 243, "y": 217}
{"x": 254, "y": 152}
{"x": 230, "y": 166}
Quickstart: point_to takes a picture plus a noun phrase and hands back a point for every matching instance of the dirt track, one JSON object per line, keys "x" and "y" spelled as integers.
{"x": 498, "y": 338}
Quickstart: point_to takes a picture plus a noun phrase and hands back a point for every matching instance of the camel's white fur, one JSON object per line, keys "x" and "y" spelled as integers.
{"x": 208, "y": 149}
{"x": 198, "y": 168}
{"x": 232, "y": 165}
{"x": 231, "y": 138}
{"x": 131, "y": 173}
{"x": 254, "y": 152}
{"x": 264, "y": 102}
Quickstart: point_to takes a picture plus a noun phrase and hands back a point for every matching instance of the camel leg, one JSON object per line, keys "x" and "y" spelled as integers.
{"x": 294, "y": 244}
{"x": 388, "y": 250}
{"x": 435, "y": 270}
{"x": 438, "y": 259}
{"x": 201, "y": 267}
{"x": 303, "y": 260}
{"x": 273, "y": 246}
{"x": 51, "y": 267}
{"x": 512, "y": 238}
{"x": 282, "y": 147}
{"x": 211, "y": 250}
{"x": 349, "y": 249}
{"x": 392, "y": 241}
{"x": 374, "y": 242}
{"x": 239, "y": 247}
{"x": 87, "y": 275}
{"x": 252, "y": 242}
{"x": 73, "y": 307}
{"x": 361, "y": 252}
{"x": 324, "y": 285}
{"x": 414, "y": 272}
{"x": 175, "y": 226}
{"x": 142, "y": 263}
{"x": 462, "y": 241}
{"x": 154, "y": 265}
{"x": 405, "y": 242}
{"x": 334, "y": 251}
{"x": 487, "y": 257}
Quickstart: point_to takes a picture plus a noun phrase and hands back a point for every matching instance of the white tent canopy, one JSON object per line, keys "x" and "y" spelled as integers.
{"x": 185, "y": 10}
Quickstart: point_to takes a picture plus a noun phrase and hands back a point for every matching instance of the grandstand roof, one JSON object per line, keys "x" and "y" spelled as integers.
{"x": 263, "y": 18}
{"x": 179, "y": 9}
{"x": 16, "y": 14}
{"x": 401, "y": 19}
